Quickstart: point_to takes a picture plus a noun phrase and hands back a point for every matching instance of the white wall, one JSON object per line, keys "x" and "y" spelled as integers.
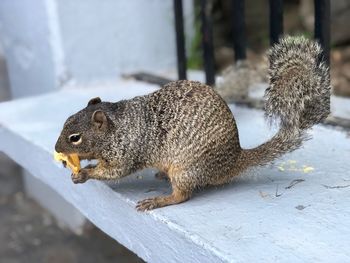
{"x": 24, "y": 35}
{"x": 51, "y": 42}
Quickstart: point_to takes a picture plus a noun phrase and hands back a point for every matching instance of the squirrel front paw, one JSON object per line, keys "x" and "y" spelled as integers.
{"x": 81, "y": 177}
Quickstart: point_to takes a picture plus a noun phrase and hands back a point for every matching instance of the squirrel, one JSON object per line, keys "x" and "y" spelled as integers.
{"x": 187, "y": 131}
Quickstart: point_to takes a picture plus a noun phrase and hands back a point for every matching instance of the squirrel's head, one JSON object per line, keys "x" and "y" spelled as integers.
{"x": 85, "y": 130}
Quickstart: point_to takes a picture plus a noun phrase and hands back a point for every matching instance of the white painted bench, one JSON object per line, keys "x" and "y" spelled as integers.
{"x": 281, "y": 213}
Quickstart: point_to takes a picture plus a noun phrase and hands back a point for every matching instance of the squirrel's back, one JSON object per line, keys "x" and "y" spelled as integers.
{"x": 193, "y": 127}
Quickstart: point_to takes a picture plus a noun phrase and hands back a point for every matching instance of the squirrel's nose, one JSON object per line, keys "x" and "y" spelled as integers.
{"x": 58, "y": 147}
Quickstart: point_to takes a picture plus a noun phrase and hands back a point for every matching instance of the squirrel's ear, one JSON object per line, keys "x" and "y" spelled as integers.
{"x": 99, "y": 120}
{"x": 94, "y": 101}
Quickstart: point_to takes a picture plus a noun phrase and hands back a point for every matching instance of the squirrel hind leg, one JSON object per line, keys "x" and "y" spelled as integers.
{"x": 176, "y": 197}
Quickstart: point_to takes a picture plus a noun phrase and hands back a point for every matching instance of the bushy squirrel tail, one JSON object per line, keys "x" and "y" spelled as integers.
{"x": 298, "y": 96}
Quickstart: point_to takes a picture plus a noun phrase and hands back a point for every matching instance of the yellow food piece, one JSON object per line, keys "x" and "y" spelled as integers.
{"x": 72, "y": 160}
{"x": 307, "y": 169}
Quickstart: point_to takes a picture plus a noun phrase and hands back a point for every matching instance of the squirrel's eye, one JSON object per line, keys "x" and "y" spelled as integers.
{"x": 75, "y": 138}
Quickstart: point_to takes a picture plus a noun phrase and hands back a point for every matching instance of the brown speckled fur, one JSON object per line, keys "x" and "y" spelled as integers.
{"x": 187, "y": 131}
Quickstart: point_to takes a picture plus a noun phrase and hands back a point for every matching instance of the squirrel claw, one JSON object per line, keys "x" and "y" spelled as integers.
{"x": 147, "y": 204}
{"x": 81, "y": 177}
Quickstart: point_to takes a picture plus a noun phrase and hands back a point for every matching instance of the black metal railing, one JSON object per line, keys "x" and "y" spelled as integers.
{"x": 180, "y": 39}
{"x": 322, "y": 32}
{"x": 238, "y": 28}
{"x": 322, "y": 26}
{"x": 207, "y": 41}
{"x": 276, "y": 20}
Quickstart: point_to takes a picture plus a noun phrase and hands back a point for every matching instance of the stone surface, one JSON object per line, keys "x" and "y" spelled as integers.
{"x": 66, "y": 215}
{"x": 293, "y": 211}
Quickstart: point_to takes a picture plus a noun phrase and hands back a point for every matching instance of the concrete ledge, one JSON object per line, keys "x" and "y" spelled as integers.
{"x": 296, "y": 210}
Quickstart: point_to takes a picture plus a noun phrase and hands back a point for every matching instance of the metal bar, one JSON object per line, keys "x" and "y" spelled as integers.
{"x": 239, "y": 41}
{"x": 180, "y": 40}
{"x": 322, "y": 27}
{"x": 207, "y": 41}
{"x": 276, "y": 20}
